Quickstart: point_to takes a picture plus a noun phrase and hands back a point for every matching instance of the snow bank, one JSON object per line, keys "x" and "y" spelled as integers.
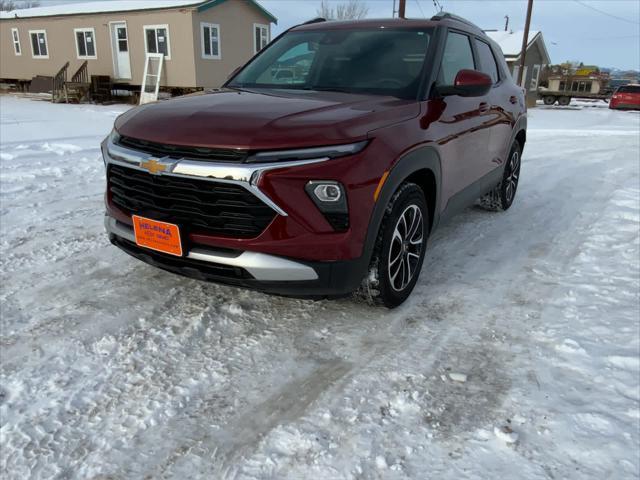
{"x": 113, "y": 369}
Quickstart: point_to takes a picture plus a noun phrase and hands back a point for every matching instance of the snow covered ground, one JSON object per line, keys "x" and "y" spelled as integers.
{"x": 113, "y": 369}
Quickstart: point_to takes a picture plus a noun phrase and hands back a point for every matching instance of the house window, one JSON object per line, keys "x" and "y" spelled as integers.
{"x": 85, "y": 43}
{"x": 39, "y": 48}
{"x": 523, "y": 84}
{"x": 535, "y": 76}
{"x": 15, "y": 36}
{"x": 260, "y": 37}
{"x": 157, "y": 40}
{"x": 210, "y": 33}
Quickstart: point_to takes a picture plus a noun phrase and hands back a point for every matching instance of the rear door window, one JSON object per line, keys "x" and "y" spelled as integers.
{"x": 457, "y": 56}
{"x": 488, "y": 63}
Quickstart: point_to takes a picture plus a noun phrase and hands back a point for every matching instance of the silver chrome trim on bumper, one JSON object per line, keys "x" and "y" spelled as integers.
{"x": 246, "y": 175}
{"x": 261, "y": 266}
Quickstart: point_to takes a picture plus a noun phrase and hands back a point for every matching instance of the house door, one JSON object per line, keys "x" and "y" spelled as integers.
{"x": 120, "y": 48}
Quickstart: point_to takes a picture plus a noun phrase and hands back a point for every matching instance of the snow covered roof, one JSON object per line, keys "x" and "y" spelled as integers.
{"x": 108, "y": 6}
{"x": 96, "y": 7}
{"x": 511, "y": 42}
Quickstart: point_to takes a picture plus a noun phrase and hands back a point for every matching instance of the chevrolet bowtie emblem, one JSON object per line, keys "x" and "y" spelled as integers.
{"x": 154, "y": 166}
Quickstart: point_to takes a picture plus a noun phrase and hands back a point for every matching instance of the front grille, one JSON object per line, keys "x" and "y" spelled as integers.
{"x": 178, "y": 151}
{"x": 196, "y": 205}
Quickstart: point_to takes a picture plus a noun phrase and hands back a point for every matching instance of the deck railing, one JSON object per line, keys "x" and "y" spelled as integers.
{"x": 58, "y": 88}
{"x": 82, "y": 75}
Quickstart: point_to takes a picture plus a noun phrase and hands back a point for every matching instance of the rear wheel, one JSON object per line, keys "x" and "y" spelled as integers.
{"x": 549, "y": 99}
{"x": 400, "y": 248}
{"x": 502, "y": 196}
{"x": 564, "y": 101}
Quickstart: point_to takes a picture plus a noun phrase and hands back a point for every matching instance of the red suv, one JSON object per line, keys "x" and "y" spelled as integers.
{"x": 626, "y": 97}
{"x": 324, "y": 164}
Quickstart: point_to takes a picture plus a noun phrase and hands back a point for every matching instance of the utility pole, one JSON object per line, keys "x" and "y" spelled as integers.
{"x": 401, "y": 8}
{"x": 525, "y": 42}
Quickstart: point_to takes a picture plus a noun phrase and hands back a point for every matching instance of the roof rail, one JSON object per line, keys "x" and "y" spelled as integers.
{"x": 450, "y": 16}
{"x": 314, "y": 20}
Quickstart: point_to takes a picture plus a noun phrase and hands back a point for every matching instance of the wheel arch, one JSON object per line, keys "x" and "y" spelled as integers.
{"x": 421, "y": 166}
{"x": 518, "y": 133}
{"x": 521, "y": 137}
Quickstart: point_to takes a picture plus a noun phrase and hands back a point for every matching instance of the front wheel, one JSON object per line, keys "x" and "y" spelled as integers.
{"x": 400, "y": 247}
{"x": 502, "y": 196}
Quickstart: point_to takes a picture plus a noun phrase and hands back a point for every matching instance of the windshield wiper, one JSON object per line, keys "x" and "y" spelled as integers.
{"x": 321, "y": 88}
{"x": 237, "y": 89}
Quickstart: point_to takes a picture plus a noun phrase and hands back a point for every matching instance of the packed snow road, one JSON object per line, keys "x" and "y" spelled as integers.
{"x": 113, "y": 369}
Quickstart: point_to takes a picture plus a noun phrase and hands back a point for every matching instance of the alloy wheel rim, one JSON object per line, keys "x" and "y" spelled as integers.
{"x": 406, "y": 248}
{"x": 511, "y": 182}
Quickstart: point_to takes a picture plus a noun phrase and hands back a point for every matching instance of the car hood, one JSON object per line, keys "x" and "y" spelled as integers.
{"x": 264, "y": 120}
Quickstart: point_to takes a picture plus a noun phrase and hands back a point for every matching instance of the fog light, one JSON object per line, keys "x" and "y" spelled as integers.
{"x": 330, "y": 198}
{"x": 327, "y": 192}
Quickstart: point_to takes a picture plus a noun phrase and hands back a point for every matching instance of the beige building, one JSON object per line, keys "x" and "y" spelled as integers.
{"x": 202, "y": 41}
{"x": 536, "y": 58}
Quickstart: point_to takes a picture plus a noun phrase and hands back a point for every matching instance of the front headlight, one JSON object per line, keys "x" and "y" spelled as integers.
{"x": 114, "y": 137}
{"x": 333, "y": 151}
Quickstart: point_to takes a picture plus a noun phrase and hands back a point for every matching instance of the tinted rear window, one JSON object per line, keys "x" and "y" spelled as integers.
{"x": 629, "y": 89}
{"x": 487, "y": 61}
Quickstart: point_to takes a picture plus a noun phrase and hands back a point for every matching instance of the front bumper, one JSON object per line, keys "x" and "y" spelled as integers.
{"x": 268, "y": 273}
{"x": 624, "y": 106}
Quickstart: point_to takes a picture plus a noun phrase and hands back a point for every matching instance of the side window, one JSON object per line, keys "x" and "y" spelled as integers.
{"x": 85, "y": 44}
{"x": 210, "y": 33}
{"x": 157, "y": 40}
{"x": 39, "y": 44}
{"x": 15, "y": 36}
{"x": 260, "y": 37}
{"x": 487, "y": 61}
{"x": 457, "y": 56}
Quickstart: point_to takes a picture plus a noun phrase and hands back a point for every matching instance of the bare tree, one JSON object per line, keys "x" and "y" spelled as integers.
{"x": 324, "y": 11}
{"x": 350, "y": 10}
{"x": 9, "y": 5}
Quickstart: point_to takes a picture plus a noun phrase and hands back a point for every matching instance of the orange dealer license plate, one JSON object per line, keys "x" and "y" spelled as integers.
{"x": 160, "y": 236}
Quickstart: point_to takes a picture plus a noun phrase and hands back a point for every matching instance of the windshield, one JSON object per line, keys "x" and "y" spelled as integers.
{"x": 381, "y": 61}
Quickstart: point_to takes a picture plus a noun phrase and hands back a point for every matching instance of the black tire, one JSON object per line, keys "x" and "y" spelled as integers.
{"x": 564, "y": 101}
{"x": 549, "y": 99}
{"x": 502, "y": 196}
{"x": 400, "y": 248}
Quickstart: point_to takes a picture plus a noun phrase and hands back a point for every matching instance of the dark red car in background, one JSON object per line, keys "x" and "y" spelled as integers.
{"x": 324, "y": 164}
{"x": 626, "y": 97}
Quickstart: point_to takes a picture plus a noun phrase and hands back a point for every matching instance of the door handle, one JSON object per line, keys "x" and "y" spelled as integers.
{"x": 513, "y": 99}
{"x": 483, "y": 107}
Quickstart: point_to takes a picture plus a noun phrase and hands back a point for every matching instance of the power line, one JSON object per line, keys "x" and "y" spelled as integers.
{"x": 420, "y": 7}
{"x": 605, "y": 13}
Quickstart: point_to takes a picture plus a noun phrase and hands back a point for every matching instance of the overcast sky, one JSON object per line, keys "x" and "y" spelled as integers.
{"x": 599, "y": 32}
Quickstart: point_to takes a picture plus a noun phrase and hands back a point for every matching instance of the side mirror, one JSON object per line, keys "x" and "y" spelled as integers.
{"x": 468, "y": 83}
